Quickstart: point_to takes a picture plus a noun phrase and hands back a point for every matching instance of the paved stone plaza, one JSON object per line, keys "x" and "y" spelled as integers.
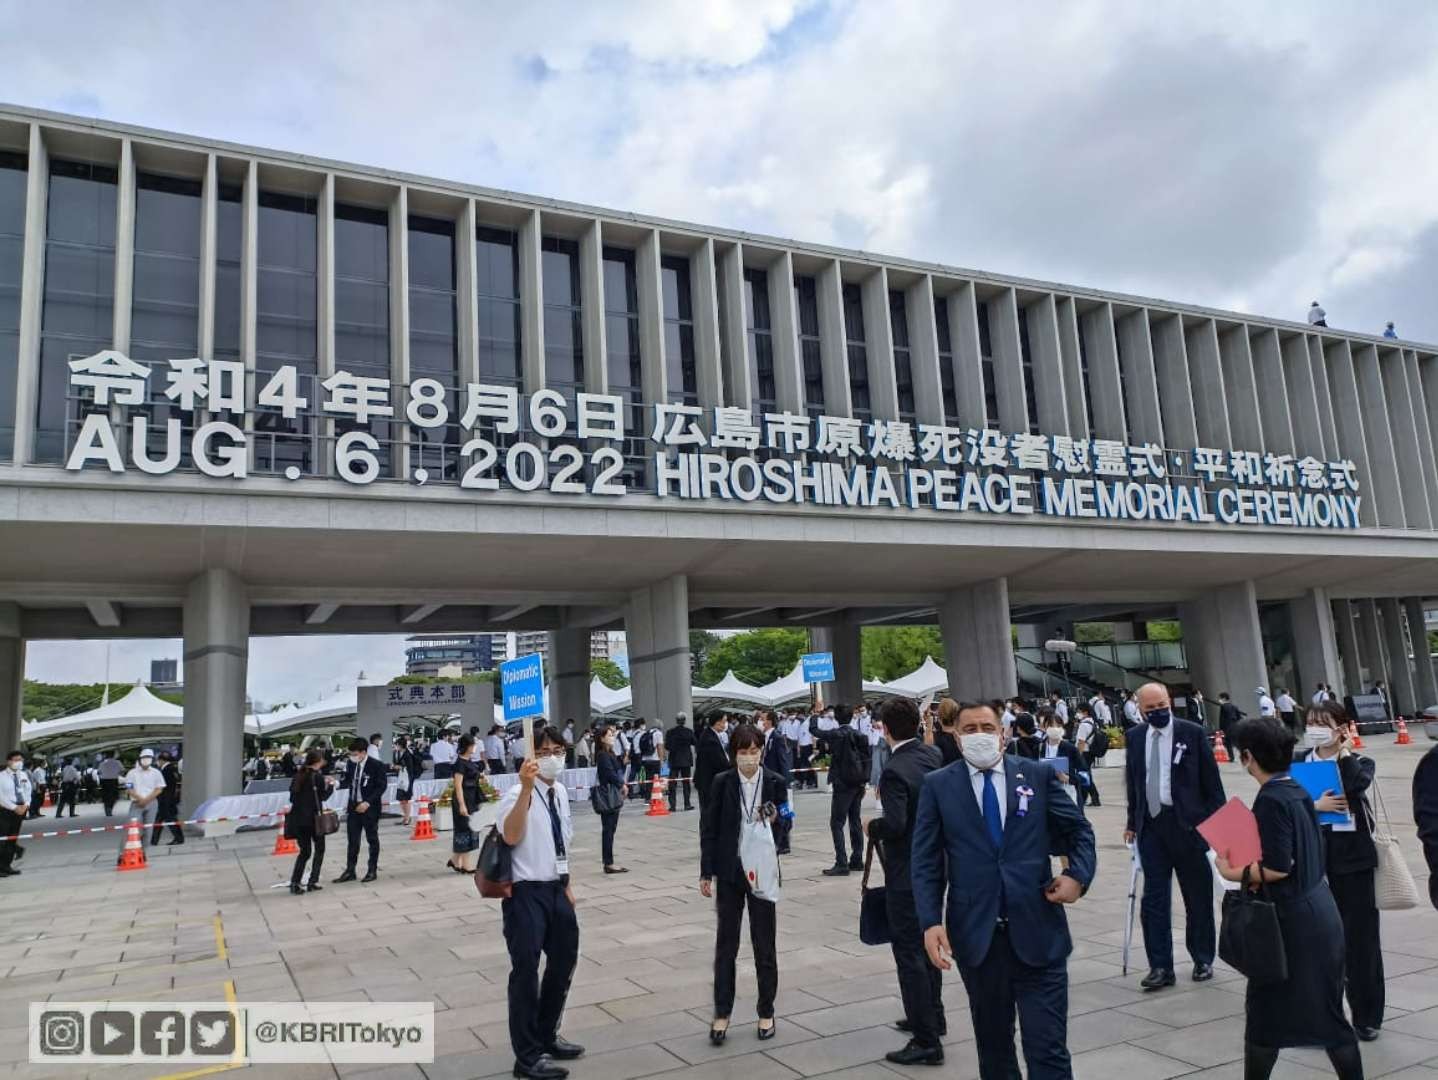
{"x": 204, "y": 920}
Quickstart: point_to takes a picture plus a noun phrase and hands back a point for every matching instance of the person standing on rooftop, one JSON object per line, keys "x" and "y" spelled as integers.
{"x": 1316, "y": 315}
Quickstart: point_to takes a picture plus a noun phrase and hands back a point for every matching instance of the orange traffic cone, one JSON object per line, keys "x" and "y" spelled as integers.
{"x": 133, "y": 857}
{"x": 657, "y": 805}
{"x": 1220, "y": 752}
{"x": 423, "y": 826}
{"x": 1357, "y": 738}
{"x": 47, "y": 803}
{"x": 1403, "y": 737}
{"x": 284, "y": 845}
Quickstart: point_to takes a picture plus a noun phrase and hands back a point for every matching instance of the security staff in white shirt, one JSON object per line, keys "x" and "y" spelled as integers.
{"x": 1265, "y": 703}
{"x": 539, "y": 915}
{"x": 15, "y": 798}
{"x": 443, "y": 754}
{"x": 494, "y": 749}
{"x": 1287, "y": 708}
{"x": 1101, "y": 712}
{"x": 144, "y": 783}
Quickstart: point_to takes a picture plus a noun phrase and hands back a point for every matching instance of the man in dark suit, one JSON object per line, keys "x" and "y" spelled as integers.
{"x": 986, "y": 828}
{"x": 1229, "y": 715}
{"x": 1425, "y": 815}
{"x": 1173, "y": 785}
{"x": 168, "y": 802}
{"x": 848, "y": 775}
{"x": 678, "y": 751}
{"x": 710, "y": 760}
{"x": 920, "y": 983}
{"x": 367, "y": 781}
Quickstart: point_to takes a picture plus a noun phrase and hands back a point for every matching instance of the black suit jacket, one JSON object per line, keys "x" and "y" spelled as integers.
{"x": 679, "y": 747}
{"x": 899, "y": 786}
{"x": 1193, "y": 775}
{"x": 719, "y": 834}
{"x": 712, "y": 760}
{"x": 1425, "y": 814}
{"x": 373, "y": 782}
{"x": 776, "y": 756}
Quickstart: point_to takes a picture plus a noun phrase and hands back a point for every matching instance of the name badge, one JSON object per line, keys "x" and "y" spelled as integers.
{"x": 562, "y": 864}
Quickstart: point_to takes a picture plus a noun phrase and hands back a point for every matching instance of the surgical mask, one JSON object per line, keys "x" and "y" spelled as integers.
{"x": 15, "y": 765}
{"x": 1055, "y": 734}
{"x": 1159, "y": 718}
{"x": 981, "y": 749}
{"x": 550, "y": 766}
{"x": 1317, "y": 735}
{"x": 748, "y": 763}
{"x": 145, "y": 762}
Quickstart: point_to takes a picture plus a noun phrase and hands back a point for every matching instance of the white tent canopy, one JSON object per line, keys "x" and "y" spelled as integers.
{"x": 133, "y": 720}
{"x": 928, "y": 679}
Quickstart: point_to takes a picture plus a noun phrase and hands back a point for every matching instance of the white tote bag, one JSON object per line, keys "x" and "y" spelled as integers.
{"x": 757, "y": 854}
{"x": 1393, "y": 883}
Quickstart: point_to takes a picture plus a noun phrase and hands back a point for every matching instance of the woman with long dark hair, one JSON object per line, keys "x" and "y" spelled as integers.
{"x": 741, "y": 795}
{"x": 609, "y": 777}
{"x": 467, "y": 796}
{"x": 308, "y": 791}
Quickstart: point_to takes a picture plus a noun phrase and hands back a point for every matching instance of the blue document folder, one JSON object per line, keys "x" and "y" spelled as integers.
{"x": 1316, "y": 778}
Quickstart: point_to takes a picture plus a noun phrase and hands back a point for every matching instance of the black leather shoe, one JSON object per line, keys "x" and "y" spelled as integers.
{"x": 564, "y": 1051}
{"x": 1367, "y": 1034}
{"x": 902, "y": 1024}
{"x": 348, "y": 875}
{"x": 717, "y": 1034}
{"x": 837, "y": 870}
{"x": 298, "y": 890}
{"x": 541, "y": 1068}
{"x": 914, "y": 1054}
{"x": 856, "y": 865}
{"x": 1202, "y": 972}
{"x": 313, "y": 886}
{"x": 1157, "y": 979}
{"x": 369, "y": 876}
{"x": 172, "y": 843}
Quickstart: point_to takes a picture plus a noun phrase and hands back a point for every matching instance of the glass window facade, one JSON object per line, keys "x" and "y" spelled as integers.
{"x": 946, "y": 361}
{"x": 229, "y": 243}
{"x": 1083, "y": 371}
{"x": 858, "y": 351}
{"x": 497, "y": 283}
{"x": 434, "y": 337}
{"x": 986, "y": 362}
{"x": 811, "y": 354}
{"x": 680, "y": 376}
{"x": 759, "y": 331}
{"x": 622, "y": 360}
{"x": 903, "y": 358}
{"x": 1030, "y": 392}
{"x": 78, "y": 305}
{"x": 563, "y": 315}
{"x": 286, "y": 333}
{"x": 362, "y": 345}
{"x": 12, "y": 255}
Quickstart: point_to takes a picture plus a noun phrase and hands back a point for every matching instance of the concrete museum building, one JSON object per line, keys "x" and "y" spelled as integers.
{"x": 246, "y": 392}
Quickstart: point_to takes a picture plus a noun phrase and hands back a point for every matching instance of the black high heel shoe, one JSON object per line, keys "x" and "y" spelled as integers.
{"x": 716, "y": 1034}
{"x": 767, "y": 1032}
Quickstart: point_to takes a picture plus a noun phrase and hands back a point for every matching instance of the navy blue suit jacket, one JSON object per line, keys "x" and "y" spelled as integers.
{"x": 952, "y": 847}
{"x": 776, "y": 756}
{"x": 1193, "y": 775}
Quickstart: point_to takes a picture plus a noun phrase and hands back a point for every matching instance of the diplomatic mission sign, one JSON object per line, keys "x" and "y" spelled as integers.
{"x": 722, "y": 454}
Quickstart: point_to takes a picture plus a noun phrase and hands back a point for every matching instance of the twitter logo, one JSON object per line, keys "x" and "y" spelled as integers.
{"x": 212, "y": 1033}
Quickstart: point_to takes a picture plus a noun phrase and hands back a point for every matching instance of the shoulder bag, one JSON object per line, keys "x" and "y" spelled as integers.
{"x": 1250, "y": 939}
{"x": 606, "y": 798}
{"x": 873, "y": 907}
{"x": 494, "y": 877}
{"x": 327, "y": 822}
{"x": 1393, "y": 884}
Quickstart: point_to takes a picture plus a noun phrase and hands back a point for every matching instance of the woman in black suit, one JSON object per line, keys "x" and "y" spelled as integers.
{"x": 308, "y": 792}
{"x": 745, "y": 793}
{"x": 608, "y": 773}
{"x": 1351, "y": 860}
{"x": 1056, "y": 744}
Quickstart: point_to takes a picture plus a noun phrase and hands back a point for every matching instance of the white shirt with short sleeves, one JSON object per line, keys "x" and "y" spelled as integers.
{"x": 534, "y": 857}
{"x": 143, "y": 782}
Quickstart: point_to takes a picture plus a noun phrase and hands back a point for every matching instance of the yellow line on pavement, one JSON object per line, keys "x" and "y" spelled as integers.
{"x": 224, "y": 953}
{"x": 236, "y": 1062}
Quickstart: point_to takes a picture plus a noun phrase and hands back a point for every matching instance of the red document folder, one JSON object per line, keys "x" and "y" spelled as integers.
{"x": 1232, "y": 832}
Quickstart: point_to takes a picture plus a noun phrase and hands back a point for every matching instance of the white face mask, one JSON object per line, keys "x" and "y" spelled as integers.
{"x": 1317, "y": 735}
{"x": 550, "y": 767}
{"x": 16, "y": 765}
{"x": 982, "y": 749}
{"x": 1054, "y": 734}
{"x": 748, "y": 763}
{"x": 145, "y": 763}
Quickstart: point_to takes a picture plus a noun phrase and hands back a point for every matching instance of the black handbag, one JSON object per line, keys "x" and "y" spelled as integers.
{"x": 1251, "y": 939}
{"x": 606, "y": 798}
{"x": 494, "y": 877}
{"x": 873, "y": 907}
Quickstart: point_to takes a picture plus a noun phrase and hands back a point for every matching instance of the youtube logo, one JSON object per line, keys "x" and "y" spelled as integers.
{"x": 112, "y": 1033}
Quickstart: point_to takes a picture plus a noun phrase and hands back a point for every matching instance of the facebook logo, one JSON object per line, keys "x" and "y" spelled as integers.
{"x": 162, "y": 1033}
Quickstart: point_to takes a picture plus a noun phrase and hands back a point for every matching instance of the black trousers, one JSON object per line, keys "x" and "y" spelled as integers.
{"x": 1090, "y": 792}
{"x": 608, "y": 824}
{"x": 680, "y": 774}
{"x": 845, "y": 808}
{"x": 538, "y": 918}
{"x": 1003, "y": 986}
{"x": 444, "y": 770}
{"x": 920, "y": 983}
{"x": 308, "y": 842}
{"x": 1362, "y": 955}
{"x": 109, "y": 795}
{"x": 805, "y": 759}
{"x": 166, "y": 811}
{"x": 730, "y": 898}
{"x": 369, "y": 825}
{"x": 37, "y": 800}
{"x": 9, "y": 826}
{"x": 1166, "y": 848}
{"x": 68, "y": 794}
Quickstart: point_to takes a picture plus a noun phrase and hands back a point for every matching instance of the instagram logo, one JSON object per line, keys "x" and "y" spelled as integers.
{"x": 62, "y": 1033}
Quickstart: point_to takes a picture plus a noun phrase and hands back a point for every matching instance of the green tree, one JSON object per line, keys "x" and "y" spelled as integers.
{"x": 889, "y": 652}
{"x": 1093, "y": 633}
{"x": 756, "y": 656}
{"x": 1165, "y": 630}
{"x": 431, "y": 680}
{"x": 46, "y": 701}
{"x": 701, "y": 643}
{"x": 609, "y": 673}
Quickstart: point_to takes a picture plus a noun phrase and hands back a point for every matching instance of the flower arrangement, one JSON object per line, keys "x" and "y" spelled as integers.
{"x": 1115, "y": 736}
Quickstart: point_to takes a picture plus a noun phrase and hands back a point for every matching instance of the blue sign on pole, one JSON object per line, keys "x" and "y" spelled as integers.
{"x": 522, "y": 686}
{"x": 818, "y": 666}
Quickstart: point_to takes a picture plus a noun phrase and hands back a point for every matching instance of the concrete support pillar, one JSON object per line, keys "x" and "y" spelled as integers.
{"x": 1225, "y": 643}
{"x": 657, "y": 624}
{"x": 569, "y": 677}
{"x": 1424, "y": 682}
{"x": 1315, "y": 644}
{"x": 978, "y": 643}
{"x": 1401, "y": 695}
{"x": 1370, "y": 641}
{"x": 1347, "y": 632}
{"x": 217, "y": 648}
{"x": 843, "y": 640}
{"x": 12, "y": 676}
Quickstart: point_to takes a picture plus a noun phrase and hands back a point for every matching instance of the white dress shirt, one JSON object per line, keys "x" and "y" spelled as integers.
{"x": 1001, "y": 788}
{"x": 142, "y": 782}
{"x": 1286, "y": 703}
{"x": 1130, "y": 711}
{"x": 749, "y": 796}
{"x": 1265, "y": 705}
{"x": 1101, "y": 712}
{"x": 534, "y": 857}
{"x": 494, "y": 748}
{"x": 442, "y": 753}
{"x": 1164, "y": 735}
{"x": 14, "y": 787}
{"x": 1085, "y": 731}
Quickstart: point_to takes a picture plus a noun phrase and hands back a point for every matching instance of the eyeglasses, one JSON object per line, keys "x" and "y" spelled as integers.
{"x": 553, "y": 751}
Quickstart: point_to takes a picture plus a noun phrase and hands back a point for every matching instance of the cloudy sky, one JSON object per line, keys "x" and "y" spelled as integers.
{"x": 1246, "y": 156}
